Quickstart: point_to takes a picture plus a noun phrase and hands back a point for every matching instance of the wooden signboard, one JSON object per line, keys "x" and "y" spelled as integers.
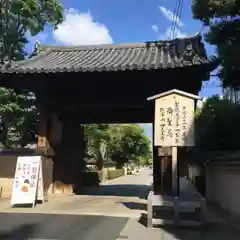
{"x": 174, "y": 119}
{"x": 174, "y": 125}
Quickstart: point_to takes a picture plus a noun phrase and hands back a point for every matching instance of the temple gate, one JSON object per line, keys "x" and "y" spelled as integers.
{"x": 102, "y": 84}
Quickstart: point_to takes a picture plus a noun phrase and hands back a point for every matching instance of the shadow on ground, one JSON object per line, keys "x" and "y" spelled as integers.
{"x": 210, "y": 231}
{"x": 59, "y": 226}
{"x": 22, "y": 232}
{"x": 122, "y": 190}
{"x": 30, "y": 205}
{"x": 135, "y": 206}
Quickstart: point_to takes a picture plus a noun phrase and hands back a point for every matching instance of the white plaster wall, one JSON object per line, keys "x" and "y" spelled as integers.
{"x": 223, "y": 187}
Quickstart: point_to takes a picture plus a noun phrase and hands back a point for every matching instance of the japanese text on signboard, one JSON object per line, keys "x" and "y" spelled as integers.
{"x": 173, "y": 123}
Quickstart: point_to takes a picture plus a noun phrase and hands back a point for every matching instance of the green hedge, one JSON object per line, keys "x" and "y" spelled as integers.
{"x": 100, "y": 175}
{"x": 95, "y": 178}
{"x": 115, "y": 173}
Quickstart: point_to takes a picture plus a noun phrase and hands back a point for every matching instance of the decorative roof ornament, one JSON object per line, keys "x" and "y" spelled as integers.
{"x": 35, "y": 49}
{"x": 189, "y": 54}
{"x": 36, "y": 46}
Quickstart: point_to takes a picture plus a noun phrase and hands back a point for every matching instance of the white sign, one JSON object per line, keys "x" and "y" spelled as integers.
{"x": 26, "y": 183}
{"x": 174, "y": 119}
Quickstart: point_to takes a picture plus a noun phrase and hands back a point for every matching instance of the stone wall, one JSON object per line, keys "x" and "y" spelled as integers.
{"x": 8, "y": 160}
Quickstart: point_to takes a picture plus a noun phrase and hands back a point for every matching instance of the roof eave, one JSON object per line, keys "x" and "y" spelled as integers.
{"x": 173, "y": 91}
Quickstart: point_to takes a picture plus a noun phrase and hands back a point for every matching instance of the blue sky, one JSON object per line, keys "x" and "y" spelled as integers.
{"x": 108, "y": 21}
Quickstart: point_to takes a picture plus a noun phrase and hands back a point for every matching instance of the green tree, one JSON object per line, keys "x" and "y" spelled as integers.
{"x": 217, "y": 125}
{"x": 129, "y": 144}
{"x": 19, "y": 118}
{"x": 27, "y": 126}
{"x": 223, "y": 20}
{"x": 9, "y": 112}
{"x": 18, "y": 18}
{"x": 95, "y": 135}
{"x": 125, "y": 143}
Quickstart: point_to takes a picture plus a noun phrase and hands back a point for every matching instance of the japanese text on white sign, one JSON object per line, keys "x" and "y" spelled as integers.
{"x": 174, "y": 119}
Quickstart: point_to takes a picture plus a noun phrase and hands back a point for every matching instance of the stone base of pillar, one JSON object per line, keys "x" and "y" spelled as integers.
{"x": 60, "y": 188}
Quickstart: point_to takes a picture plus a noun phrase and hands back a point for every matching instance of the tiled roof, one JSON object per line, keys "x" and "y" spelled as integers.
{"x": 113, "y": 57}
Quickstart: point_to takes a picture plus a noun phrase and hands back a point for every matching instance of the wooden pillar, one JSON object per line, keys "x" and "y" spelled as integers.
{"x": 157, "y": 172}
{"x": 166, "y": 173}
{"x": 174, "y": 172}
{"x": 69, "y": 160}
{"x": 55, "y": 131}
{"x": 43, "y": 147}
{"x": 42, "y": 142}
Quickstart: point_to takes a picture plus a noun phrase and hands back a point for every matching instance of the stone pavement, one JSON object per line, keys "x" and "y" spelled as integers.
{"x": 59, "y": 226}
{"x": 133, "y": 230}
{"x": 124, "y": 197}
{"x": 216, "y": 228}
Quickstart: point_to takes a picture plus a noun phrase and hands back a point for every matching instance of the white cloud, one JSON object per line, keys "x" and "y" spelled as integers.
{"x": 79, "y": 28}
{"x": 155, "y": 28}
{"x": 168, "y": 34}
{"x": 171, "y": 16}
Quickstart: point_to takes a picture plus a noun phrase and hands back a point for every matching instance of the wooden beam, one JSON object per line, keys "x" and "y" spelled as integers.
{"x": 108, "y": 116}
{"x": 97, "y": 107}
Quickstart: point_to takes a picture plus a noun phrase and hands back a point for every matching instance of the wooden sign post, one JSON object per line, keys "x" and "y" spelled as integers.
{"x": 174, "y": 125}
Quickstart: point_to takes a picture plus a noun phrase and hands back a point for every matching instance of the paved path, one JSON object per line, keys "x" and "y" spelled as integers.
{"x": 15, "y": 226}
{"x": 110, "y": 212}
{"x": 123, "y": 197}
{"x": 64, "y": 227}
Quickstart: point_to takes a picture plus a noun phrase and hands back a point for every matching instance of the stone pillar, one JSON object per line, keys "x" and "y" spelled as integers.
{"x": 68, "y": 159}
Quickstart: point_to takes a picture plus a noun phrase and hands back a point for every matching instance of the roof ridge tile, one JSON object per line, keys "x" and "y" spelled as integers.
{"x": 114, "y": 57}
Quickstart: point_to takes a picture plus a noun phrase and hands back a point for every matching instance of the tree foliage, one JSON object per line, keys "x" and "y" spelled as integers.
{"x": 18, "y": 19}
{"x": 125, "y": 142}
{"x": 223, "y": 20}
{"x": 10, "y": 111}
{"x": 19, "y": 118}
{"x": 217, "y": 125}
